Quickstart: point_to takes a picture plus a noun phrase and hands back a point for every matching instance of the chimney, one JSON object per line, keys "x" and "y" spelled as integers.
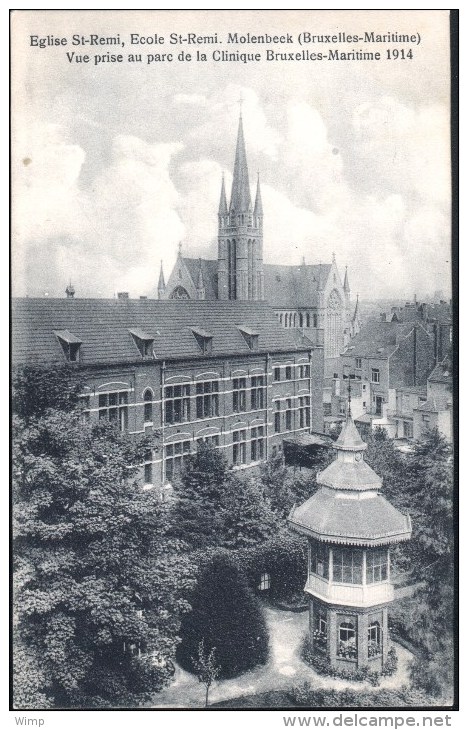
{"x": 383, "y": 317}
{"x": 143, "y": 297}
{"x": 70, "y": 291}
{"x": 122, "y": 295}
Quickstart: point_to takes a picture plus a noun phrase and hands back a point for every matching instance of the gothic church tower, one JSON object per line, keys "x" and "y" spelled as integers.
{"x": 240, "y": 234}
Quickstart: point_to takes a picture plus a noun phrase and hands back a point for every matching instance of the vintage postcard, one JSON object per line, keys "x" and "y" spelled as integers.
{"x": 232, "y": 348}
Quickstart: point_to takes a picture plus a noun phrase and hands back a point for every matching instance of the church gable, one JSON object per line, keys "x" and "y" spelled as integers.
{"x": 180, "y": 284}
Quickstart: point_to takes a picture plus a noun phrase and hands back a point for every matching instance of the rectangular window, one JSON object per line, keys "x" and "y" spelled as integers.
{"x": 177, "y": 405}
{"x": 277, "y": 416}
{"x": 319, "y": 559}
{"x": 289, "y": 415}
{"x": 407, "y": 429}
{"x": 148, "y": 468}
{"x": 239, "y": 447}
{"x": 257, "y": 444}
{"x": 304, "y": 411}
{"x": 174, "y": 458}
{"x": 375, "y": 375}
{"x": 327, "y": 408}
{"x": 114, "y": 407}
{"x": 210, "y": 440}
{"x": 289, "y": 371}
{"x": 257, "y": 392}
{"x": 277, "y": 373}
{"x": 347, "y": 566}
{"x": 207, "y": 399}
{"x": 239, "y": 399}
{"x": 265, "y": 582}
{"x": 377, "y": 566}
{"x": 358, "y": 362}
{"x": 304, "y": 371}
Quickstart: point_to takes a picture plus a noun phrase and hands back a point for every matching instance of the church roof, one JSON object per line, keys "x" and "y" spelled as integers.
{"x": 104, "y": 327}
{"x": 209, "y": 269}
{"x": 240, "y": 193}
{"x": 330, "y": 517}
{"x": 290, "y": 287}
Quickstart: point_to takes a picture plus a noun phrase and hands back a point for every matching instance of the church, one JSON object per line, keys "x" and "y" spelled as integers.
{"x": 310, "y": 297}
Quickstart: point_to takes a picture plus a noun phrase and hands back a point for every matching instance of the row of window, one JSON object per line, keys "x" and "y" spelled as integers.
{"x": 346, "y": 646}
{"x": 284, "y": 414}
{"x": 291, "y": 319}
{"x": 243, "y": 448}
{"x": 348, "y": 564}
{"x": 303, "y": 372}
{"x": 375, "y": 374}
{"x": 178, "y": 407}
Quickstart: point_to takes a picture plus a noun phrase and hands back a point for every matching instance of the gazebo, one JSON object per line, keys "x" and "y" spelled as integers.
{"x": 350, "y": 528}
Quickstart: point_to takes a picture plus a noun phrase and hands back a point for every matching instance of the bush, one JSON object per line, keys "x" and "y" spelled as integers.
{"x": 227, "y": 617}
{"x": 284, "y": 557}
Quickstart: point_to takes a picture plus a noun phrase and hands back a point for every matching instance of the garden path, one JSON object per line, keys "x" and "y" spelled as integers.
{"x": 283, "y": 670}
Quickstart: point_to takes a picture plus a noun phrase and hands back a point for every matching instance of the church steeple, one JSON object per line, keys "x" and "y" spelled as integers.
{"x": 200, "y": 281}
{"x": 240, "y": 194}
{"x": 161, "y": 283}
{"x": 223, "y": 209}
{"x": 240, "y": 234}
{"x": 258, "y": 208}
{"x": 346, "y": 282}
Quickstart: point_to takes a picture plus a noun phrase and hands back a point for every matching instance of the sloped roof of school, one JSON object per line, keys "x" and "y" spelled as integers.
{"x": 104, "y": 327}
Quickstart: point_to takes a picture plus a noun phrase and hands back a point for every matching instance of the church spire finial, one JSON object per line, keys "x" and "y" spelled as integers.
{"x": 223, "y": 209}
{"x": 346, "y": 282}
{"x": 240, "y": 195}
{"x": 258, "y": 208}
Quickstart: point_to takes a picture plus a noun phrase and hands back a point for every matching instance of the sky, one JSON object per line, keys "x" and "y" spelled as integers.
{"x": 113, "y": 165}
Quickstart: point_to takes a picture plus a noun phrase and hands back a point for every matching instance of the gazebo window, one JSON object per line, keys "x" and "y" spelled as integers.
{"x": 320, "y": 630}
{"x": 319, "y": 559}
{"x": 347, "y": 640}
{"x": 347, "y": 566}
{"x": 265, "y": 582}
{"x": 374, "y": 639}
{"x": 377, "y": 566}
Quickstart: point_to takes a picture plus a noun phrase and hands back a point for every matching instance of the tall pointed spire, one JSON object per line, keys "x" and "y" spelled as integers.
{"x": 258, "y": 208}
{"x": 357, "y": 311}
{"x": 346, "y": 282}
{"x": 240, "y": 195}
{"x": 161, "y": 283}
{"x": 223, "y": 209}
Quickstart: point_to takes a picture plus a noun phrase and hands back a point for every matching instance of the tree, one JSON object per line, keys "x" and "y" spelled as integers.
{"x": 227, "y": 616}
{"x": 205, "y": 667}
{"x": 196, "y": 515}
{"x": 246, "y": 515}
{"x": 35, "y": 389}
{"x": 96, "y": 580}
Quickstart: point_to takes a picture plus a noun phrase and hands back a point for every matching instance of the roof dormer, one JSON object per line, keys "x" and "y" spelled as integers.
{"x": 204, "y": 340}
{"x": 250, "y": 336}
{"x": 143, "y": 341}
{"x": 70, "y": 345}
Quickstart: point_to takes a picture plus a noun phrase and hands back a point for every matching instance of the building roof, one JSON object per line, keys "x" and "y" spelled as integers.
{"x": 377, "y": 339}
{"x": 435, "y": 404}
{"x": 104, "y": 326}
{"x": 420, "y": 312}
{"x": 291, "y": 287}
{"x": 330, "y": 517}
{"x": 209, "y": 270}
{"x": 442, "y": 372}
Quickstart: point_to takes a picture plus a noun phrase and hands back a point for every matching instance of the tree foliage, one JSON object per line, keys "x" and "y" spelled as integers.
{"x": 226, "y": 616}
{"x": 97, "y": 582}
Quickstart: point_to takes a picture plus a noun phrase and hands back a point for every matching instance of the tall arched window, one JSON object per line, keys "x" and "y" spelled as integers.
{"x": 308, "y": 319}
{"x": 148, "y": 400}
{"x": 179, "y": 293}
{"x": 301, "y": 320}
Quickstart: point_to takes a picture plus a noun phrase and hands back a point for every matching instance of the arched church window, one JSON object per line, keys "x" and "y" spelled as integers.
{"x": 301, "y": 321}
{"x": 281, "y": 319}
{"x": 308, "y": 319}
{"x": 179, "y": 293}
{"x": 334, "y": 325}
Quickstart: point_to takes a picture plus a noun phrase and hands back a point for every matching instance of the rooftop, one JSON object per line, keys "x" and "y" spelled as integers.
{"x": 377, "y": 339}
{"x": 105, "y": 326}
{"x": 293, "y": 287}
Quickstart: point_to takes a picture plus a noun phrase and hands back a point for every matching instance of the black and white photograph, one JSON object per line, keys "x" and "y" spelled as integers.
{"x": 233, "y": 412}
